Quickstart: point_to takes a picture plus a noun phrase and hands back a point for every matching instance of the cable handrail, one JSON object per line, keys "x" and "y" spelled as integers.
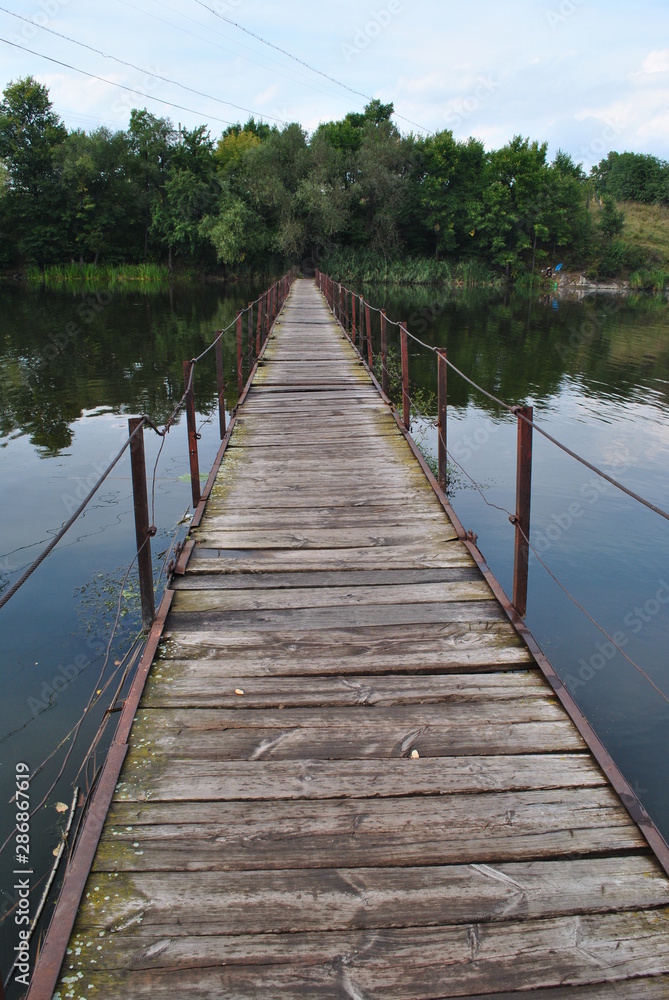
{"x": 514, "y": 410}
{"x": 146, "y": 421}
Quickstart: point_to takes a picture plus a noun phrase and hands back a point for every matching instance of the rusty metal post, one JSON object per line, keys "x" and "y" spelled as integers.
{"x": 258, "y": 328}
{"x": 361, "y": 328}
{"x": 353, "y": 333}
{"x": 249, "y": 333}
{"x": 406, "y": 399}
{"x": 368, "y": 324}
{"x": 522, "y": 518}
{"x": 240, "y": 355}
{"x": 142, "y": 528}
{"x": 220, "y": 380}
{"x": 192, "y": 433}
{"x": 385, "y": 380}
{"x": 347, "y": 325}
{"x": 442, "y": 405}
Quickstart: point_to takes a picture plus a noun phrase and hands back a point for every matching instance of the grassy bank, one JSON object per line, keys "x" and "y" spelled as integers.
{"x": 366, "y": 267}
{"x": 108, "y": 275}
{"x": 646, "y": 229}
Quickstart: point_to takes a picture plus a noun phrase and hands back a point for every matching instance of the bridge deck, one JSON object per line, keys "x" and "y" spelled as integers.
{"x": 347, "y": 777}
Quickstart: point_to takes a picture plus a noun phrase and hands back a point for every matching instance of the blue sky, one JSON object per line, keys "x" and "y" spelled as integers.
{"x": 584, "y": 75}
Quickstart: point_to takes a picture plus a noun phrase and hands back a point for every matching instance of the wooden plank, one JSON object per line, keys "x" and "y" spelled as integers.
{"x": 297, "y": 901}
{"x": 452, "y": 829}
{"x": 408, "y": 720}
{"x": 286, "y": 496}
{"x": 353, "y": 578}
{"x": 290, "y": 519}
{"x": 201, "y": 684}
{"x": 168, "y": 777}
{"x": 406, "y": 649}
{"x": 380, "y": 741}
{"x": 214, "y": 534}
{"x": 307, "y": 619}
{"x": 391, "y": 964}
{"x": 370, "y": 557}
{"x": 341, "y": 597}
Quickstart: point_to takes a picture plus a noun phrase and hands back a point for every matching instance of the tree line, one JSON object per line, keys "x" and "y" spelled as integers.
{"x": 262, "y": 197}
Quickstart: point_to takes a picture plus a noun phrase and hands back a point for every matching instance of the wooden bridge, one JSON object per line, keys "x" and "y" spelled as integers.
{"x": 347, "y": 776}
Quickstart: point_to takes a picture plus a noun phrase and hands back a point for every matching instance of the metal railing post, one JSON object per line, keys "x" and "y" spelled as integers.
{"x": 220, "y": 381}
{"x": 385, "y": 380}
{"x": 361, "y": 327}
{"x": 406, "y": 399}
{"x": 442, "y": 410}
{"x": 353, "y": 332}
{"x": 192, "y": 434}
{"x": 143, "y": 532}
{"x": 249, "y": 333}
{"x": 368, "y": 324}
{"x": 522, "y": 518}
{"x": 240, "y": 356}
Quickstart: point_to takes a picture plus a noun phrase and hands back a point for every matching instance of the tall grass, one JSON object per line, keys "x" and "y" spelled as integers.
{"x": 99, "y": 274}
{"x": 656, "y": 280}
{"x": 367, "y": 267}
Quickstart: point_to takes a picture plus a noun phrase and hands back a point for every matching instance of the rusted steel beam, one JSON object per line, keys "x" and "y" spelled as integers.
{"x": 385, "y": 380}
{"x": 220, "y": 381}
{"x": 347, "y": 325}
{"x": 522, "y": 518}
{"x": 143, "y": 531}
{"x": 442, "y": 410}
{"x": 192, "y": 433}
{"x": 353, "y": 330}
{"x": 404, "y": 353}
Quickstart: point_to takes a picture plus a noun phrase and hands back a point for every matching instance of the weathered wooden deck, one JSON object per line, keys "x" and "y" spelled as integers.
{"x": 347, "y": 777}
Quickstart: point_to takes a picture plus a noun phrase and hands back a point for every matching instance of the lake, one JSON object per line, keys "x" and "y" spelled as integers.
{"x": 75, "y": 366}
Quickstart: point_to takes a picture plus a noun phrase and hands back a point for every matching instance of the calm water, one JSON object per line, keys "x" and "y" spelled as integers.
{"x": 74, "y": 367}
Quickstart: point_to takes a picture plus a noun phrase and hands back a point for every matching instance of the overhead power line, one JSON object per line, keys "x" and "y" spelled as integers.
{"x": 157, "y": 76}
{"x": 121, "y": 86}
{"x": 296, "y": 59}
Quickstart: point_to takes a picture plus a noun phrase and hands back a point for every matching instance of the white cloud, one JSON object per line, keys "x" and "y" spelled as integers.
{"x": 657, "y": 61}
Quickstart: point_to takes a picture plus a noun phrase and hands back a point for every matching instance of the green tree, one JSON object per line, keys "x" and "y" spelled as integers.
{"x": 101, "y": 201}
{"x": 152, "y": 141}
{"x": 30, "y": 135}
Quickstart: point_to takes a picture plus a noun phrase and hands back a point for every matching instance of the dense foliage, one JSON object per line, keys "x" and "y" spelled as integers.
{"x": 263, "y": 197}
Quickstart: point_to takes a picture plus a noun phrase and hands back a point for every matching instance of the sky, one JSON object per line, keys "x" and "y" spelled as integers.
{"x": 586, "y": 76}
